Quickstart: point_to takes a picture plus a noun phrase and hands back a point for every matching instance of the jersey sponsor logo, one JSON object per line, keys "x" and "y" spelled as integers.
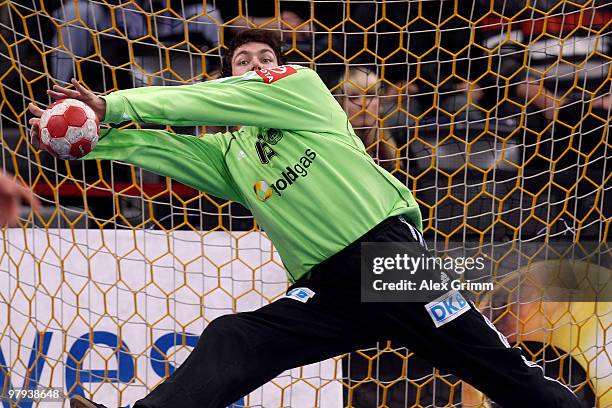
{"x": 300, "y": 294}
{"x": 262, "y": 145}
{"x": 264, "y": 190}
{"x": 270, "y": 75}
{"x": 447, "y": 307}
{"x": 264, "y": 152}
{"x": 272, "y": 136}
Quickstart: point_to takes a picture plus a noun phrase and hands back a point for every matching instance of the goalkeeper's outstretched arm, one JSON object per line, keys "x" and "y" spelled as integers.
{"x": 285, "y": 97}
{"x": 195, "y": 161}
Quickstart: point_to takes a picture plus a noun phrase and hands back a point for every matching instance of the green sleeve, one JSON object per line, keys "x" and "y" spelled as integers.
{"x": 196, "y": 162}
{"x": 299, "y": 101}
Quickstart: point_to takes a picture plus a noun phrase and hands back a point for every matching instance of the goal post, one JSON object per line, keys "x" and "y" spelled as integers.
{"x": 495, "y": 113}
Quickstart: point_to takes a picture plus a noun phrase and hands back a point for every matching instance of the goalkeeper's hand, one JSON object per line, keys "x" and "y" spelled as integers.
{"x": 58, "y": 93}
{"x": 35, "y": 132}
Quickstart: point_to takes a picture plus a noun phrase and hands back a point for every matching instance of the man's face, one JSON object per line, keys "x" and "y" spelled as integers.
{"x": 253, "y": 56}
{"x": 361, "y": 109}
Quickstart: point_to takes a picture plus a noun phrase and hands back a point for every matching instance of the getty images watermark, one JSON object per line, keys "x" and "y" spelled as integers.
{"x": 408, "y": 272}
{"x": 410, "y": 264}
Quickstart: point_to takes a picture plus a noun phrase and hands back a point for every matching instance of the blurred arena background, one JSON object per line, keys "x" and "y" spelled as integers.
{"x": 495, "y": 113}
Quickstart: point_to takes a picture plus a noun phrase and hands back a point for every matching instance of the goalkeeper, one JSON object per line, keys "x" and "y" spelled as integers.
{"x": 297, "y": 164}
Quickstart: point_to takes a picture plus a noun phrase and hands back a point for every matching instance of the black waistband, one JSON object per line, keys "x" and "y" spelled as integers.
{"x": 370, "y": 235}
{"x": 355, "y": 245}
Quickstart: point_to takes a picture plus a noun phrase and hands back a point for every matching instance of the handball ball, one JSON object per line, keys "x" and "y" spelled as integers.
{"x": 69, "y": 129}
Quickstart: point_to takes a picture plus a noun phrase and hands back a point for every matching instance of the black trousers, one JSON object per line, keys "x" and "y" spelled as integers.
{"x": 238, "y": 353}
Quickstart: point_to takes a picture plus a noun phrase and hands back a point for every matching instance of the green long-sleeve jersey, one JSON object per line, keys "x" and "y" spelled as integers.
{"x": 295, "y": 163}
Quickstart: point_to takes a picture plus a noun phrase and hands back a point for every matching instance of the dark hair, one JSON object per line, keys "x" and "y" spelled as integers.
{"x": 269, "y": 37}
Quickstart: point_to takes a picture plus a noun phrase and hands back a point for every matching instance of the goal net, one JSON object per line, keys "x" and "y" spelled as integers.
{"x": 495, "y": 113}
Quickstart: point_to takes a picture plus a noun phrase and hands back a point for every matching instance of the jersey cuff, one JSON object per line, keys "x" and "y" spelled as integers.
{"x": 115, "y": 109}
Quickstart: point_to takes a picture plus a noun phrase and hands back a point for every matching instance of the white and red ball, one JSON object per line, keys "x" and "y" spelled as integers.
{"x": 69, "y": 129}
